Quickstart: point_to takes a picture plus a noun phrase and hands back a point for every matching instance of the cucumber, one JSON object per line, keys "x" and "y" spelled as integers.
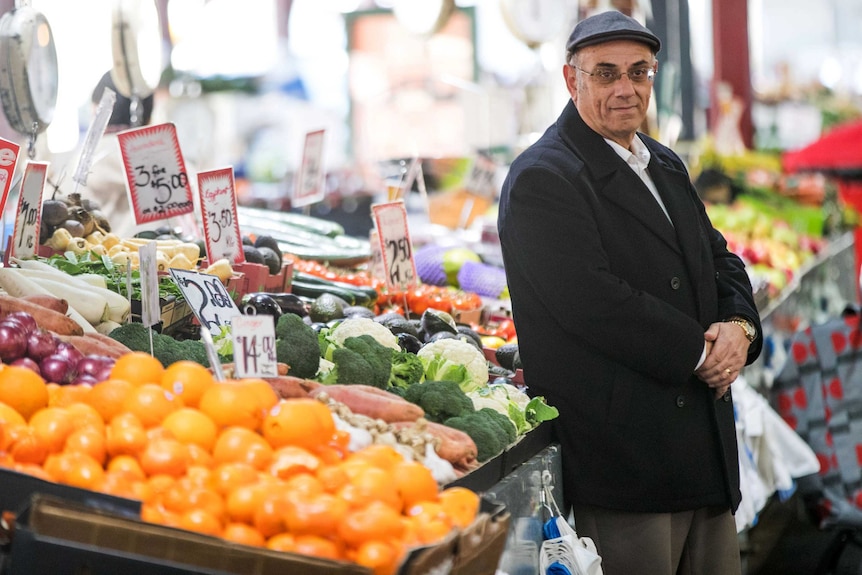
{"x": 303, "y": 277}
{"x": 301, "y": 221}
{"x": 315, "y": 290}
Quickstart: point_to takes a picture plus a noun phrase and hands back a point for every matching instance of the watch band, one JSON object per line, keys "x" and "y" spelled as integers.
{"x": 747, "y": 327}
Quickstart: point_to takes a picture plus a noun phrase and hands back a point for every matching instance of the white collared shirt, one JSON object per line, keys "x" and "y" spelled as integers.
{"x": 638, "y": 160}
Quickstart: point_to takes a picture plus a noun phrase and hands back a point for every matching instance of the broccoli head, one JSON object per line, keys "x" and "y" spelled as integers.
{"x": 166, "y": 349}
{"x": 485, "y": 430}
{"x": 134, "y": 336}
{"x": 296, "y": 345}
{"x": 441, "y": 400}
{"x": 407, "y": 369}
{"x": 378, "y": 356}
{"x": 350, "y": 367}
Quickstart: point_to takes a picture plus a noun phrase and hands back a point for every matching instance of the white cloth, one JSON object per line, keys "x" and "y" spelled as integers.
{"x": 638, "y": 160}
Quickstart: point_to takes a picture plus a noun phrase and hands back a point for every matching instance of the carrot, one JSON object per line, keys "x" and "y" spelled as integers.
{"x": 45, "y": 318}
{"x": 51, "y": 302}
{"x": 371, "y": 401}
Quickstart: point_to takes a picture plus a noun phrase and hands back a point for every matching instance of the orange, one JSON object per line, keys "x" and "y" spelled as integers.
{"x": 301, "y": 422}
{"x": 414, "y": 483}
{"x": 199, "y": 475}
{"x": 301, "y": 486}
{"x": 64, "y": 395}
{"x": 317, "y": 546}
{"x": 192, "y": 427}
{"x": 89, "y": 440}
{"x": 32, "y": 469}
{"x": 25, "y": 446}
{"x": 23, "y": 390}
{"x": 243, "y": 534}
{"x": 379, "y": 556}
{"x": 242, "y": 502}
{"x": 164, "y": 456}
{"x": 269, "y": 516}
{"x": 138, "y": 368}
{"x": 53, "y": 425}
{"x": 228, "y": 476}
{"x": 85, "y": 415}
{"x": 332, "y": 477}
{"x": 119, "y": 484}
{"x": 126, "y": 465}
{"x": 230, "y": 403}
{"x": 242, "y": 444}
{"x": 315, "y": 515}
{"x": 281, "y": 542}
{"x": 151, "y": 404}
{"x": 125, "y": 419}
{"x": 199, "y": 456}
{"x": 460, "y": 504}
{"x": 184, "y": 494}
{"x": 158, "y": 485}
{"x": 187, "y": 380}
{"x": 371, "y": 485}
{"x": 266, "y": 395}
{"x": 122, "y": 438}
{"x": 378, "y": 454}
{"x": 201, "y": 521}
{"x": 377, "y": 521}
{"x": 107, "y": 397}
{"x": 290, "y": 460}
{"x": 75, "y": 468}
{"x": 11, "y": 416}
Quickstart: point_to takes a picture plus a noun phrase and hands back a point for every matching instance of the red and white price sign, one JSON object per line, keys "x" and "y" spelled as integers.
{"x": 156, "y": 173}
{"x": 8, "y": 160}
{"x": 218, "y": 210}
{"x": 25, "y": 239}
{"x": 396, "y": 249}
{"x": 309, "y": 186}
{"x": 254, "y": 345}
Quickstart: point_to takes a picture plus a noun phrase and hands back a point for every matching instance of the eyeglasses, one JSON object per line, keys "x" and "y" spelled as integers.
{"x": 608, "y": 77}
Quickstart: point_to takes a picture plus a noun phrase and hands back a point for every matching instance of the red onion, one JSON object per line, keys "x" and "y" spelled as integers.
{"x": 23, "y": 318}
{"x": 84, "y": 378}
{"x": 13, "y": 342}
{"x": 69, "y": 352}
{"x": 41, "y": 344}
{"x": 94, "y": 365}
{"x": 57, "y": 369}
{"x": 28, "y": 363}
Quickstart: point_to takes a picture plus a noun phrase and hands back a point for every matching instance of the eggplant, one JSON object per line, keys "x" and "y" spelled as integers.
{"x": 409, "y": 342}
{"x": 260, "y": 304}
{"x": 289, "y": 303}
{"x": 434, "y": 321}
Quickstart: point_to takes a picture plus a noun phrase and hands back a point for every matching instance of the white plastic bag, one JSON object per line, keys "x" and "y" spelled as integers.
{"x": 563, "y": 552}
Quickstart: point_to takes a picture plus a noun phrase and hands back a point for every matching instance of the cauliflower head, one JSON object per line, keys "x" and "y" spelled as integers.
{"x": 455, "y": 360}
{"x": 354, "y": 327}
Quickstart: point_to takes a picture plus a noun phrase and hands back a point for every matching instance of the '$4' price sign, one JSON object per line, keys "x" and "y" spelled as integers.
{"x": 254, "y": 345}
{"x": 399, "y": 267}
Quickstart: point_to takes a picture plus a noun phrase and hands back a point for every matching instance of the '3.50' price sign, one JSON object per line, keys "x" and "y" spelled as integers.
{"x": 399, "y": 266}
{"x": 218, "y": 211}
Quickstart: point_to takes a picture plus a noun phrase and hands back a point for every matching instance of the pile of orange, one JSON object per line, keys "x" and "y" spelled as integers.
{"x": 229, "y": 459}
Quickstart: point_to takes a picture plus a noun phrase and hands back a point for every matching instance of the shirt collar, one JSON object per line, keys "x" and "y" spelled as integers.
{"x": 638, "y": 154}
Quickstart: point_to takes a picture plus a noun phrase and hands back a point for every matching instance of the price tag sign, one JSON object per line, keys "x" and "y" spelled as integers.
{"x": 25, "y": 239}
{"x": 207, "y": 297}
{"x": 218, "y": 210}
{"x": 254, "y": 345}
{"x": 399, "y": 267}
{"x": 481, "y": 178}
{"x": 155, "y": 172}
{"x": 8, "y": 161}
{"x": 309, "y": 187}
{"x": 151, "y": 312}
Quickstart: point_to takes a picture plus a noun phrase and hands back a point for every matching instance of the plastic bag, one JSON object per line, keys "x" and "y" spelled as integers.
{"x": 562, "y": 551}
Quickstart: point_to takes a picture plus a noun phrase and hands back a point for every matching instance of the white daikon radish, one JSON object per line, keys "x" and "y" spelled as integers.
{"x": 86, "y": 301}
{"x": 17, "y": 285}
{"x": 107, "y": 326}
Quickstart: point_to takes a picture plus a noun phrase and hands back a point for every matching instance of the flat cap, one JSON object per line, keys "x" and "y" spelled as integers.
{"x": 609, "y": 26}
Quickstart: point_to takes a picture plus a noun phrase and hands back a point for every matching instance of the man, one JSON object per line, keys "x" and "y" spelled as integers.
{"x": 633, "y": 318}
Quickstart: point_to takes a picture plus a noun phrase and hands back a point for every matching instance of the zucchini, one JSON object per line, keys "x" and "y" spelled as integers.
{"x": 315, "y": 290}
{"x": 303, "y": 277}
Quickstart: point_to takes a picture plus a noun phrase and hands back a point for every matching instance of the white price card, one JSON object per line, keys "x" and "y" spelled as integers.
{"x": 254, "y": 345}
{"x": 155, "y": 172}
{"x": 8, "y": 161}
{"x": 399, "y": 266}
{"x": 207, "y": 296}
{"x": 218, "y": 211}
{"x": 151, "y": 312}
{"x": 481, "y": 179}
{"x": 25, "y": 239}
{"x": 94, "y": 134}
{"x": 309, "y": 186}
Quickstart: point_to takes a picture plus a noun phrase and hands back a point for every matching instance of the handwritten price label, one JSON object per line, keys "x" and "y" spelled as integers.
{"x": 218, "y": 210}
{"x": 254, "y": 345}
{"x": 309, "y": 187}
{"x": 25, "y": 239}
{"x": 399, "y": 267}
{"x": 155, "y": 172}
{"x": 151, "y": 312}
{"x": 207, "y": 297}
{"x": 481, "y": 178}
{"x": 8, "y": 161}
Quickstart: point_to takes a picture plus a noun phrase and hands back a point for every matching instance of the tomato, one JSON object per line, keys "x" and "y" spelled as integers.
{"x": 507, "y": 329}
{"x": 466, "y": 301}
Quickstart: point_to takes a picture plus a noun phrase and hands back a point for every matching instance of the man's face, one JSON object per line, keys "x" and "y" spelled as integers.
{"x": 617, "y": 109}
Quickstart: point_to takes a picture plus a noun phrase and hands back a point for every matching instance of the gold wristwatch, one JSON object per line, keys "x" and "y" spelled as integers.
{"x": 747, "y": 327}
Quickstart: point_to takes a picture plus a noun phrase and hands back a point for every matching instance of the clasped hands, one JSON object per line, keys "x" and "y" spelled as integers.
{"x": 726, "y": 353}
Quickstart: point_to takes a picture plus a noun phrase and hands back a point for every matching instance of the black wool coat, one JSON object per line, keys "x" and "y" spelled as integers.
{"x": 610, "y": 303}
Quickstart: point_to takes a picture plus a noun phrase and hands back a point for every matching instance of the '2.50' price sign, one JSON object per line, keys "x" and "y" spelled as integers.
{"x": 254, "y": 346}
{"x": 207, "y": 297}
{"x": 25, "y": 240}
{"x": 399, "y": 267}
{"x": 218, "y": 210}
{"x": 155, "y": 172}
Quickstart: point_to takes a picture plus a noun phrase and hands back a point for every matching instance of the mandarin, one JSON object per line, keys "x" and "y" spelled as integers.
{"x": 376, "y": 521}
{"x": 187, "y": 380}
{"x": 317, "y": 546}
{"x": 164, "y": 456}
{"x": 151, "y": 403}
{"x": 460, "y": 504}
{"x": 107, "y": 397}
{"x": 138, "y": 368}
{"x": 25, "y": 446}
{"x": 126, "y": 465}
{"x": 414, "y": 483}
{"x": 23, "y": 390}
{"x": 290, "y": 460}
{"x": 379, "y": 556}
{"x": 192, "y": 426}
{"x": 89, "y": 440}
{"x": 242, "y": 444}
{"x": 301, "y": 422}
{"x": 243, "y": 534}
{"x": 10, "y": 415}
{"x": 318, "y": 514}
{"x": 231, "y": 403}
{"x": 228, "y": 476}
{"x": 201, "y": 521}
{"x": 53, "y": 425}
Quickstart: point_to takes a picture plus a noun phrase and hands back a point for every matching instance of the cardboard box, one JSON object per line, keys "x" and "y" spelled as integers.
{"x": 176, "y": 314}
{"x": 58, "y": 537}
